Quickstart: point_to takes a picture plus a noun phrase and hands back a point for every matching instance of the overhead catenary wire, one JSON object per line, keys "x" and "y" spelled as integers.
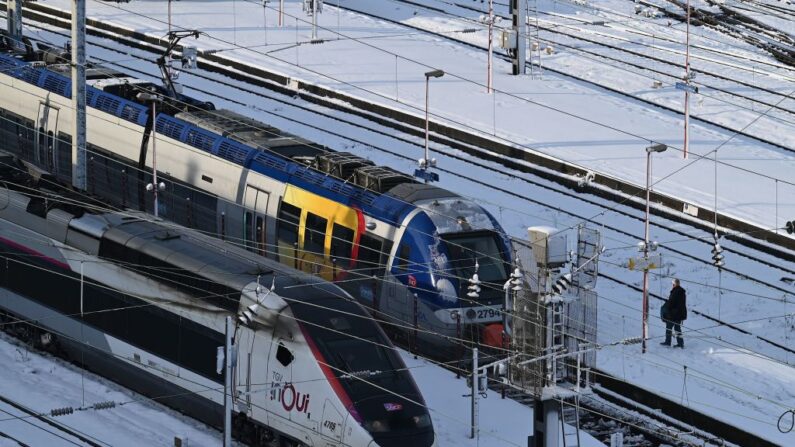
{"x": 331, "y": 309}
{"x": 696, "y": 157}
{"x": 694, "y": 160}
{"x": 612, "y": 417}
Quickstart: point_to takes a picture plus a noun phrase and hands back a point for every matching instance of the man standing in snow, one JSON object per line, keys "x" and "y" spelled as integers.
{"x": 673, "y": 312}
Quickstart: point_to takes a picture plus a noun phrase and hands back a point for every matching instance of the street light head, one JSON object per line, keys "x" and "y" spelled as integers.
{"x": 659, "y": 147}
{"x": 434, "y": 74}
{"x": 148, "y": 97}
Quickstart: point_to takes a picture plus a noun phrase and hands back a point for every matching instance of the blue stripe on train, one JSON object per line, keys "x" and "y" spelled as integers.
{"x": 381, "y": 206}
{"x": 62, "y": 85}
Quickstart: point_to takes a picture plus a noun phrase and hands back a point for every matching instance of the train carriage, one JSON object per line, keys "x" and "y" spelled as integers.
{"x": 144, "y": 303}
{"x": 405, "y": 250}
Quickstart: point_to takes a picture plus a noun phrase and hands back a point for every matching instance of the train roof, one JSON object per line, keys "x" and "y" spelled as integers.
{"x": 379, "y": 191}
{"x": 213, "y": 259}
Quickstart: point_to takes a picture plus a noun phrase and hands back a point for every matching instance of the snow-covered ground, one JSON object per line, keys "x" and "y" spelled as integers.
{"x": 732, "y": 376}
{"x": 43, "y": 383}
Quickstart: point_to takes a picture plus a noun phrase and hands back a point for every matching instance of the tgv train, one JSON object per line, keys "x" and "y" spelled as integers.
{"x": 144, "y": 303}
{"x": 404, "y": 249}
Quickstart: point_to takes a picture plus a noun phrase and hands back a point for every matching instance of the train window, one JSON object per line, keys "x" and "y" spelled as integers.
{"x": 289, "y": 216}
{"x": 341, "y": 244}
{"x": 369, "y": 255}
{"x": 283, "y": 355}
{"x": 247, "y": 236}
{"x": 260, "y": 234}
{"x": 315, "y": 235}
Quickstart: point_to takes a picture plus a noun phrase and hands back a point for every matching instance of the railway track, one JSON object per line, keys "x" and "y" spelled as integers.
{"x": 381, "y": 131}
{"x": 496, "y": 151}
{"x": 27, "y": 427}
{"x": 774, "y": 102}
{"x": 737, "y": 25}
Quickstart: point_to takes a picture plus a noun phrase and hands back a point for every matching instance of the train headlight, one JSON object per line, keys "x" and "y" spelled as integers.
{"x": 422, "y": 421}
{"x": 378, "y": 426}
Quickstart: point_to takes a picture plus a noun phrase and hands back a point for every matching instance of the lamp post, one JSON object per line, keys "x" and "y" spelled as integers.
{"x": 153, "y": 98}
{"x": 426, "y": 162}
{"x": 649, "y": 150}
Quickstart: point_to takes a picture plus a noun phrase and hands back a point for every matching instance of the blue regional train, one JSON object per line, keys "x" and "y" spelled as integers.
{"x": 404, "y": 249}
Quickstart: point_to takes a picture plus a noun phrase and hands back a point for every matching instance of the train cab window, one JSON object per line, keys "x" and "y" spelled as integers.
{"x": 341, "y": 244}
{"x": 283, "y": 355}
{"x": 315, "y": 235}
{"x": 289, "y": 217}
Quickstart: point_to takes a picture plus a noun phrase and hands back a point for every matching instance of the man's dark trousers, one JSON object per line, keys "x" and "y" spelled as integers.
{"x": 677, "y": 327}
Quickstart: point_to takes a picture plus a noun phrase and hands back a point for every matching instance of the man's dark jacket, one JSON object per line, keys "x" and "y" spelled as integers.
{"x": 675, "y": 309}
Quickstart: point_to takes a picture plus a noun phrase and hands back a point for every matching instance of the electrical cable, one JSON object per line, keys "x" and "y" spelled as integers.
{"x": 520, "y": 98}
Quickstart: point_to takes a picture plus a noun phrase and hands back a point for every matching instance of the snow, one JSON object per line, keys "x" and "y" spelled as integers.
{"x": 42, "y": 383}
{"x": 732, "y": 376}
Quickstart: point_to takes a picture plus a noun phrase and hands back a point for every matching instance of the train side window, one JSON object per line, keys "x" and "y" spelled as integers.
{"x": 341, "y": 244}
{"x": 369, "y": 255}
{"x": 283, "y": 355}
{"x": 247, "y": 229}
{"x": 315, "y": 234}
{"x": 260, "y": 233}
{"x": 289, "y": 217}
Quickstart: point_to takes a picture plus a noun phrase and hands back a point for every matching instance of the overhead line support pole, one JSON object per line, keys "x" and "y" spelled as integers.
{"x": 491, "y": 46}
{"x": 14, "y": 17}
{"x": 687, "y": 81}
{"x": 519, "y": 13}
{"x": 475, "y": 390}
{"x": 79, "y": 93}
{"x": 228, "y": 384}
{"x": 645, "y": 331}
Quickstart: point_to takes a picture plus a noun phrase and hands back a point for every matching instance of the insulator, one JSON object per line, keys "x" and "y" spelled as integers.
{"x": 62, "y": 411}
{"x": 104, "y": 405}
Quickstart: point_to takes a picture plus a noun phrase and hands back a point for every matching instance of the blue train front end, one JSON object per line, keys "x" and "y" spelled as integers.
{"x": 442, "y": 243}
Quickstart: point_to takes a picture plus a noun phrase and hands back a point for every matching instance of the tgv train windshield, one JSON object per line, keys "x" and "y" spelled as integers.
{"x": 482, "y": 248}
{"x": 372, "y": 374}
